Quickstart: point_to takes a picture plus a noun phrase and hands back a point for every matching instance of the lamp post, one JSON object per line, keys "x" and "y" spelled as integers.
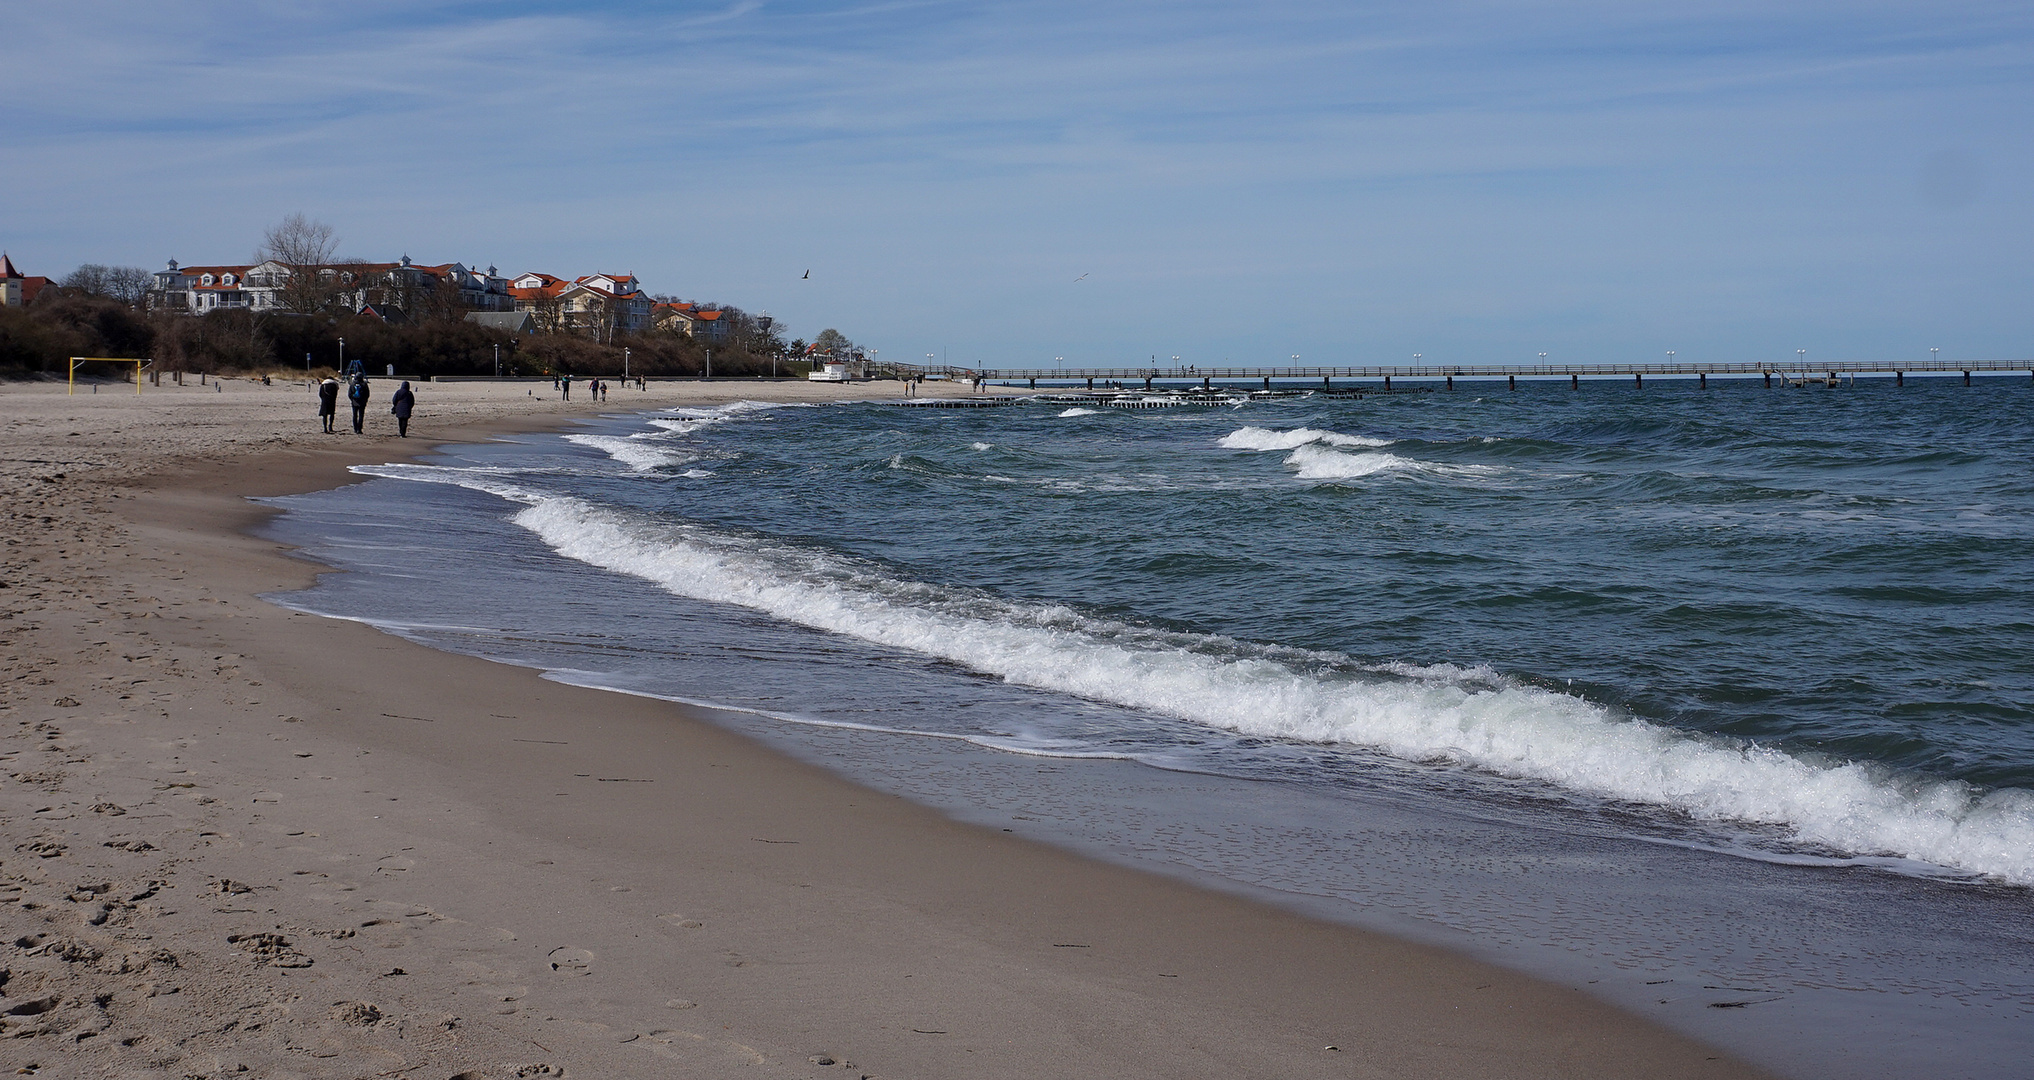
{"x": 1934, "y": 355}
{"x": 1670, "y": 357}
{"x": 342, "y": 356}
{"x": 1801, "y": 360}
{"x": 497, "y": 359}
{"x": 709, "y": 363}
{"x": 625, "y": 365}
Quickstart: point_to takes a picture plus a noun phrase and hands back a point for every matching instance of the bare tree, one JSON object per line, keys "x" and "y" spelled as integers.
{"x": 305, "y": 247}
{"x": 127, "y": 284}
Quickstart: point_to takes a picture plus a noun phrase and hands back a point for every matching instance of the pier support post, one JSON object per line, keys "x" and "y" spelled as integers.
{"x": 1204, "y": 382}
{"x": 1511, "y": 381}
{"x": 1638, "y": 379}
{"x": 1451, "y": 382}
{"x": 1574, "y": 382}
{"x": 1267, "y": 382}
{"x": 1899, "y": 378}
{"x": 1326, "y": 385}
{"x": 1387, "y": 382}
{"x": 1091, "y": 384}
{"x": 1702, "y": 380}
{"x": 1769, "y": 380}
{"x": 1147, "y": 382}
{"x": 1966, "y": 378}
{"x": 1034, "y": 384}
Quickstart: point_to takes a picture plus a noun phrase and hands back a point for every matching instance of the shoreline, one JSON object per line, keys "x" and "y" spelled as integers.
{"x": 583, "y": 881}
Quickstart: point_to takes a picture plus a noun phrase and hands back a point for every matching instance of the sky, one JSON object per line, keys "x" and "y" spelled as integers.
{"x": 1014, "y": 183}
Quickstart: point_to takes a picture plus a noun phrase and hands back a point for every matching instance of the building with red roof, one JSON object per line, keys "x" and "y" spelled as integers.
{"x": 17, "y": 288}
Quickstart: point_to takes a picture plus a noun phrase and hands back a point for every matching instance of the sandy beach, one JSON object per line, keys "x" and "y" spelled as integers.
{"x": 244, "y": 841}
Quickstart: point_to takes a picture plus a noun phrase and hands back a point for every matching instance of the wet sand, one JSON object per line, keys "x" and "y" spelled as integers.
{"x": 241, "y": 836}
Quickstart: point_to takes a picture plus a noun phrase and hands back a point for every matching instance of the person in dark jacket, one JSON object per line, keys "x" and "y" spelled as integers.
{"x": 405, "y": 403}
{"x": 328, "y": 402}
{"x": 357, "y": 394}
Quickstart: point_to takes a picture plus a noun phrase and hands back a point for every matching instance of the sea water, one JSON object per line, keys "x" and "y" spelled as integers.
{"x": 1716, "y": 703}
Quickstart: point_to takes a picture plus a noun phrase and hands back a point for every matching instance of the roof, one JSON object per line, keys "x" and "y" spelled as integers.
{"x": 7, "y": 269}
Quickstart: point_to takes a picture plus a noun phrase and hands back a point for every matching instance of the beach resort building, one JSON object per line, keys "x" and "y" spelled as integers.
{"x": 403, "y": 286}
{"x": 17, "y": 288}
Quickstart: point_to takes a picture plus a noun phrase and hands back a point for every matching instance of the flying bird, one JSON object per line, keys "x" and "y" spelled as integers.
{"x": 1082, "y": 276}
{"x": 808, "y": 274}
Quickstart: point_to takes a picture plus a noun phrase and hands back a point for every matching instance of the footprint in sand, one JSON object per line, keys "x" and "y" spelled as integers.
{"x": 571, "y": 961}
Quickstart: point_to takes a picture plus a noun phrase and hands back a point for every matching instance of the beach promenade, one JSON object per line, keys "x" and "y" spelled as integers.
{"x": 243, "y": 841}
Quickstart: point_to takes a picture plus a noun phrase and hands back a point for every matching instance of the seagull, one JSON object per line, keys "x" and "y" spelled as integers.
{"x": 1082, "y": 276}
{"x": 808, "y": 274}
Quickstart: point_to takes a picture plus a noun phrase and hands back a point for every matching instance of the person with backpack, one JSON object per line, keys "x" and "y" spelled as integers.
{"x": 358, "y": 394}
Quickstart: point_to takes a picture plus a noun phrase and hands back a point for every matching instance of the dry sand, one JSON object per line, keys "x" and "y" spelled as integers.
{"x": 245, "y": 842}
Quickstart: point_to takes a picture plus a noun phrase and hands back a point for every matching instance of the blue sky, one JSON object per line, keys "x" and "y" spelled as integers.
{"x": 1477, "y": 182}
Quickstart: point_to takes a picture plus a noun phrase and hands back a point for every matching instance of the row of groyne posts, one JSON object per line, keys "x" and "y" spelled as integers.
{"x": 1828, "y": 374}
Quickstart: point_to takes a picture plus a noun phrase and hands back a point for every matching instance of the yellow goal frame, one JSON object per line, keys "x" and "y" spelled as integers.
{"x": 137, "y": 362}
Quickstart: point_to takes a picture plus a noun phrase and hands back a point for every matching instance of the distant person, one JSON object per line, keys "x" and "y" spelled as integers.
{"x": 328, "y": 402}
{"x": 565, "y": 385}
{"x": 405, "y": 403}
{"x": 358, "y": 394}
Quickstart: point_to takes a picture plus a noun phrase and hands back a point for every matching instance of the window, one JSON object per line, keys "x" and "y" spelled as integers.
{"x": 206, "y": 280}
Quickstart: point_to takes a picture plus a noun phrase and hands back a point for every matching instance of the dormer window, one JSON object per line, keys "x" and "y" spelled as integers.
{"x": 227, "y": 280}
{"x": 206, "y": 280}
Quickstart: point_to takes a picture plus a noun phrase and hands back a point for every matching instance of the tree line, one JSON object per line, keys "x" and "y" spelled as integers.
{"x": 101, "y": 311}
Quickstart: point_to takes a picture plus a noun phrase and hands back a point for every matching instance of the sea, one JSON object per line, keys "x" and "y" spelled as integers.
{"x": 1714, "y": 702}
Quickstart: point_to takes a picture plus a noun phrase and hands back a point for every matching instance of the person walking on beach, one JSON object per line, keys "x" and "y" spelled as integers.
{"x": 565, "y": 384}
{"x": 328, "y": 402}
{"x": 405, "y": 403}
{"x": 357, "y": 394}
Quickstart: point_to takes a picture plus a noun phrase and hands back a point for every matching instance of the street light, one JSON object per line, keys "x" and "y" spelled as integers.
{"x": 1934, "y": 355}
{"x": 1670, "y": 357}
{"x": 625, "y": 366}
{"x": 1801, "y": 358}
{"x": 497, "y": 359}
{"x": 342, "y": 356}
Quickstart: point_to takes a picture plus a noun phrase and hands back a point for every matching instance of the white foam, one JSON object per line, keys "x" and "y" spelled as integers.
{"x": 1081, "y": 412}
{"x": 1257, "y": 438}
{"x": 640, "y": 452}
{"x": 1315, "y": 463}
{"x": 1471, "y": 718}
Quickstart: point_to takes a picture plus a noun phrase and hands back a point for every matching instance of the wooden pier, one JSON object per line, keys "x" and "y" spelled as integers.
{"x": 1831, "y": 373}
